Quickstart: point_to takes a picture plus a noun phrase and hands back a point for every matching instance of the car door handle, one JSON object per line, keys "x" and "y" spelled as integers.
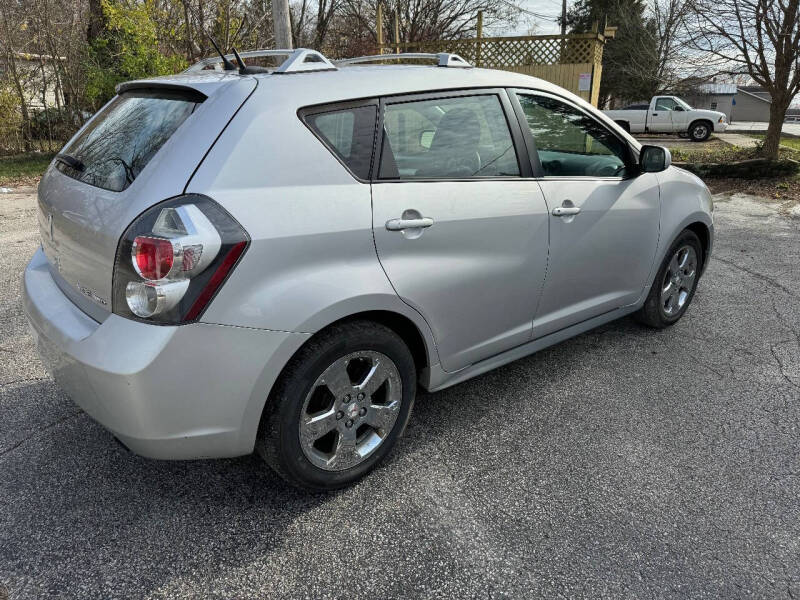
{"x": 565, "y": 211}
{"x": 400, "y": 224}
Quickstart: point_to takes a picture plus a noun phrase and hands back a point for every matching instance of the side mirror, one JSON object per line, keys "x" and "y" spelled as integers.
{"x": 426, "y": 138}
{"x": 678, "y": 109}
{"x": 654, "y": 159}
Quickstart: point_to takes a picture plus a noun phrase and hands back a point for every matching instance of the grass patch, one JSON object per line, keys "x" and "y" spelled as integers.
{"x": 791, "y": 142}
{"x": 726, "y": 153}
{"x": 22, "y": 167}
{"x": 727, "y": 168}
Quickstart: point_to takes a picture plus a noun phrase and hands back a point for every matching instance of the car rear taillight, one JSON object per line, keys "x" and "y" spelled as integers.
{"x": 152, "y": 257}
{"x": 173, "y": 258}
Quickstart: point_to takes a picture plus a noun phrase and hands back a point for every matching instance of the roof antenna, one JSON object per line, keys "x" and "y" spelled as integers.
{"x": 239, "y": 60}
{"x": 244, "y": 69}
{"x": 227, "y": 65}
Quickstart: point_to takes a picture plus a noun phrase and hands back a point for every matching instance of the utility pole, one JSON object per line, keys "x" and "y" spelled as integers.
{"x": 281, "y": 24}
{"x": 563, "y": 17}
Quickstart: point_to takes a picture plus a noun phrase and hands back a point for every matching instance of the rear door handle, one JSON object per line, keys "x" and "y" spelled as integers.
{"x": 565, "y": 211}
{"x": 400, "y": 224}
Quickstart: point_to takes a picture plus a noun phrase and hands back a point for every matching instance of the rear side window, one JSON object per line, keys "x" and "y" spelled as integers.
{"x": 447, "y": 138}
{"x": 349, "y": 133}
{"x": 117, "y": 145}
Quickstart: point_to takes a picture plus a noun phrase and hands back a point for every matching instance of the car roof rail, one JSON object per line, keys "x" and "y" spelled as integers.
{"x": 300, "y": 60}
{"x": 444, "y": 59}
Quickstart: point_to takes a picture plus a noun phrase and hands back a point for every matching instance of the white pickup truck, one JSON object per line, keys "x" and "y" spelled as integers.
{"x": 669, "y": 114}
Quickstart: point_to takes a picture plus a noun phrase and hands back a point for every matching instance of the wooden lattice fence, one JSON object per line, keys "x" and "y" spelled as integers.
{"x": 572, "y": 61}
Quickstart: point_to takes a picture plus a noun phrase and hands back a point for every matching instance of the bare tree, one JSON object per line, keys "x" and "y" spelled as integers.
{"x": 760, "y": 38}
{"x": 669, "y": 27}
{"x": 425, "y": 20}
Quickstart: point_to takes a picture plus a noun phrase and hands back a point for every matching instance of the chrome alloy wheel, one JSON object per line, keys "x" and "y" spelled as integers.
{"x": 678, "y": 280}
{"x": 350, "y": 410}
{"x": 700, "y": 131}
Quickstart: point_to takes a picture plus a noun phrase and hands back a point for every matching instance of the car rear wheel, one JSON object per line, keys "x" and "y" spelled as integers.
{"x": 339, "y": 407}
{"x": 700, "y": 131}
{"x": 675, "y": 283}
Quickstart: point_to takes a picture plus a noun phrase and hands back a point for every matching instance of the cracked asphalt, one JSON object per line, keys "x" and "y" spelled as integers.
{"x": 624, "y": 463}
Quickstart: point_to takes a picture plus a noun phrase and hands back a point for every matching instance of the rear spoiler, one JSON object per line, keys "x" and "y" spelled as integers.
{"x": 162, "y": 88}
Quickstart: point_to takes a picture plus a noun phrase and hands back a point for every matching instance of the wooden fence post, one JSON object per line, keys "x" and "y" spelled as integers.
{"x": 396, "y": 31}
{"x": 379, "y": 27}
{"x": 479, "y": 35}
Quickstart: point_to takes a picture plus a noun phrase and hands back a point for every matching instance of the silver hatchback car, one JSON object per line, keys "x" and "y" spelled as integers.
{"x": 274, "y": 259}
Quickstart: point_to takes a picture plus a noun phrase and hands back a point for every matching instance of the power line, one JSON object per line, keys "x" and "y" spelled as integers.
{"x": 538, "y": 15}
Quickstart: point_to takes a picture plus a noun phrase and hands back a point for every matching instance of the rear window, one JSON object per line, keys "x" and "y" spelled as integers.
{"x": 112, "y": 151}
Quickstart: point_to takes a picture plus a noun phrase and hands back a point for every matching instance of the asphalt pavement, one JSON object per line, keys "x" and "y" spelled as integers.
{"x": 624, "y": 463}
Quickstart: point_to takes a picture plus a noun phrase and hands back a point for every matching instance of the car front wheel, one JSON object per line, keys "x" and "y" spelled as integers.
{"x": 339, "y": 407}
{"x": 675, "y": 283}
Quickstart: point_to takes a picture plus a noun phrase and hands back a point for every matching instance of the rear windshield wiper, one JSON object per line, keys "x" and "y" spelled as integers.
{"x": 71, "y": 161}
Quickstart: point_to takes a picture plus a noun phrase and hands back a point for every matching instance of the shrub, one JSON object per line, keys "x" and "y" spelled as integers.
{"x": 53, "y": 124}
{"x": 10, "y": 119}
{"x": 754, "y": 168}
{"x": 128, "y": 49}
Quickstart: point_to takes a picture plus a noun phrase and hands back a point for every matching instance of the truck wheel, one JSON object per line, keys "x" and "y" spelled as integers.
{"x": 700, "y": 131}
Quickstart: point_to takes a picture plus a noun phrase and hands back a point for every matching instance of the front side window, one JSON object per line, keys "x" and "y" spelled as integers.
{"x": 115, "y": 147}
{"x": 349, "y": 133}
{"x": 447, "y": 138}
{"x": 570, "y": 143}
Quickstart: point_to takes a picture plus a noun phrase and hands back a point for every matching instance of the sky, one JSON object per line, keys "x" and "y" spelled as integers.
{"x": 540, "y": 13}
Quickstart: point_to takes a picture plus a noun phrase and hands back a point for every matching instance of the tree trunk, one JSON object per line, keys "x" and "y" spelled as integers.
{"x": 97, "y": 20}
{"x": 777, "y": 113}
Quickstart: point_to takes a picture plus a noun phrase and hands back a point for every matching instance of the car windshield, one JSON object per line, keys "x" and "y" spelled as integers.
{"x": 120, "y": 141}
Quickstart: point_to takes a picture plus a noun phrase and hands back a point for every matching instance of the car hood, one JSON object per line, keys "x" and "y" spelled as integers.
{"x": 713, "y": 115}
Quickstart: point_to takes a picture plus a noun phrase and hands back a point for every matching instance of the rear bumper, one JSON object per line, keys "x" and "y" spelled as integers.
{"x": 193, "y": 391}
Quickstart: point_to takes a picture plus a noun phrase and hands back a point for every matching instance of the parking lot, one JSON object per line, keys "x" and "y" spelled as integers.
{"x": 623, "y": 463}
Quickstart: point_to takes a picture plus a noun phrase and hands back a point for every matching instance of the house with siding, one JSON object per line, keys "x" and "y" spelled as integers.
{"x": 739, "y": 103}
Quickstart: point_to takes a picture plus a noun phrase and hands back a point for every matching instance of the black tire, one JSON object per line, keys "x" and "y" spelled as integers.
{"x": 625, "y": 125}
{"x": 700, "y": 131}
{"x": 278, "y": 440}
{"x": 653, "y": 312}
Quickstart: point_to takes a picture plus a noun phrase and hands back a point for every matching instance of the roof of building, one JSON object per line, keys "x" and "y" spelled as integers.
{"x": 753, "y": 89}
{"x": 719, "y": 89}
{"x": 760, "y": 94}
